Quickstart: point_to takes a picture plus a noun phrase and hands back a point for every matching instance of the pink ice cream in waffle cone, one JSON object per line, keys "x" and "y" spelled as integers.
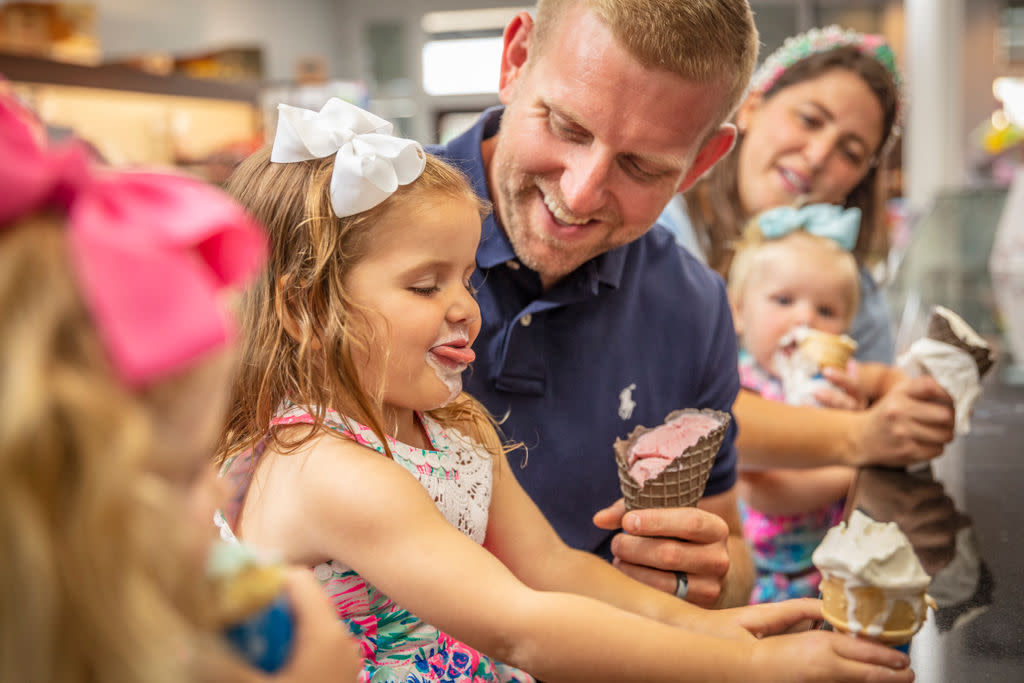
{"x": 668, "y": 465}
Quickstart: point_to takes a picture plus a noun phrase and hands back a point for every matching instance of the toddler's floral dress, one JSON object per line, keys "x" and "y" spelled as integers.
{"x": 782, "y": 545}
{"x": 397, "y": 646}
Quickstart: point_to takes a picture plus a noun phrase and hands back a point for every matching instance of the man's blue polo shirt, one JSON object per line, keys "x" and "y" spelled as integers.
{"x": 624, "y": 340}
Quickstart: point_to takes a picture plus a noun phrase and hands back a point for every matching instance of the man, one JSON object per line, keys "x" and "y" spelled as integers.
{"x": 593, "y": 322}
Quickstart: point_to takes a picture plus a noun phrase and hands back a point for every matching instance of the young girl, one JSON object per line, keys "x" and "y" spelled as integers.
{"x": 354, "y": 451}
{"x": 792, "y": 269}
{"x": 112, "y": 327}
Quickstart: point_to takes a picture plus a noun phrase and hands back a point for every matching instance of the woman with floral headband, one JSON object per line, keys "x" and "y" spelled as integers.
{"x": 820, "y": 116}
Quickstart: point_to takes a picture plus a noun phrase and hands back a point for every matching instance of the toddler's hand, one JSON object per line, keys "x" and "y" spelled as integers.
{"x": 848, "y": 393}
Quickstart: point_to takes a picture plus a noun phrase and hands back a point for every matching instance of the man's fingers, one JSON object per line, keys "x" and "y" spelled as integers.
{"x": 702, "y": 590}
{"x": 655, "y": 578}
{"x": 671, "y": 555}
{"x": 690, "y": 524}
{"x": 610, "y": 517}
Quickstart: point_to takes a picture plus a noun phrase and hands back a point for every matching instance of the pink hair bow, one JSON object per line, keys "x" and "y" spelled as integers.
{"x": 152, "y": 252}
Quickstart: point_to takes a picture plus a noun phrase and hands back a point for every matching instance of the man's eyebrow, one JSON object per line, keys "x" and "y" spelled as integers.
{"x": 661, "y": 162}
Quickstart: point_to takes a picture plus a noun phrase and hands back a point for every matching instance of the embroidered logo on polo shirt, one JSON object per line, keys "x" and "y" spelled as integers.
{"x": 626, "y": 402}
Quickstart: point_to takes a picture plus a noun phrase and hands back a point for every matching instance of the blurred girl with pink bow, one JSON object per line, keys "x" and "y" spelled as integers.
{"x": 793, "y": 287}
{"x": 352, "y": 449}
{"x": 115, "y": 354}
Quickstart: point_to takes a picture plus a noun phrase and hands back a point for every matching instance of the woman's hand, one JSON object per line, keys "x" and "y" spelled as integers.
{"x": 910, "y": 423}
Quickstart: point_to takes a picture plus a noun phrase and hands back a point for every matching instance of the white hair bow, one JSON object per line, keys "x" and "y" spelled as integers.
{"x": 370, "y": 162}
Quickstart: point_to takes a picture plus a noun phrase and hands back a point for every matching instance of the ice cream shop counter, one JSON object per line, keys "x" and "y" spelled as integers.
{"x": 963, "y": 515}
{"x": 963, "y": 512}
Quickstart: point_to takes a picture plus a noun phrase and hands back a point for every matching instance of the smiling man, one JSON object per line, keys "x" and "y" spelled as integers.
{"x": 593, "y": 322}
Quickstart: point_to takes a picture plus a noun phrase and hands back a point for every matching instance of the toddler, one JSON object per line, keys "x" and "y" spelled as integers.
{"x": 792, "y": 271}
{"x": 353, "y": 450}
{"x": 112, "y": 327}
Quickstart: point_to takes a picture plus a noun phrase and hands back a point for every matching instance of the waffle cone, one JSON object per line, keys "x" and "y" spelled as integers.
{"x": 888, "y": 616}
{"x": 682, "y": 482}
{"x": 247, "y": 592}
{"x": 940, "y": 329}
{"x": 828, "y": 350}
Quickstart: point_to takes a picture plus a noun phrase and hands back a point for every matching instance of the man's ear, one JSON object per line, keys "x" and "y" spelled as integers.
{"x": 517, "y": 41}
{"x": 746, "y": 110}
{"x": 713, "y": 150}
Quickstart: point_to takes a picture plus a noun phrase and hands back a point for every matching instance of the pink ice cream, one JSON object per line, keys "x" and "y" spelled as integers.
{"x": 654, "y": 450}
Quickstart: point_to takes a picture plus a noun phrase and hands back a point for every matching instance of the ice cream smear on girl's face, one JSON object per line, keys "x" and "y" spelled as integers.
{"x": 450, "y": 355}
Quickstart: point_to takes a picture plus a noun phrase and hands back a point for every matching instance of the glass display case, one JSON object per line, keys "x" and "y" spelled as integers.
{"x": 947, "y": 263}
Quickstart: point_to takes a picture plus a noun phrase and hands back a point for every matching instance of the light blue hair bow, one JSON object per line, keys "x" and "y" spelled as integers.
{"x": 824, "y": 220}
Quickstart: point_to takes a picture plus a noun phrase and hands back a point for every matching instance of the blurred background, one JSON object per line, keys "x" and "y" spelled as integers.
{"x": 195, "y": 83}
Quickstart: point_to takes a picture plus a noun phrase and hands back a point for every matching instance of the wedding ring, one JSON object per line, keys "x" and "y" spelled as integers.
{"x": 682, "y": 585}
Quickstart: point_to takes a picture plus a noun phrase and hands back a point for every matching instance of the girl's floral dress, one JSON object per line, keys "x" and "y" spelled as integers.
{"x": 397, "y": 646}
{"x": 782, "y": 544}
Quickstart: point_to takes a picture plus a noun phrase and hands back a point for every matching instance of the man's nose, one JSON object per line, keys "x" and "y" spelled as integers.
{"x": 585, "y": 180}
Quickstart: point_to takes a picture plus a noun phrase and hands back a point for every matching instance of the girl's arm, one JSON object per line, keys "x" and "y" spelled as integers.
{"x": 522, "y": 538}
{"x": 794, "y": 491}
{"x": 366, "y": 511}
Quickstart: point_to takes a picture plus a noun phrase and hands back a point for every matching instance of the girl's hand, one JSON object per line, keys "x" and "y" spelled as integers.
{"x": 323, "y": 650}
{"x": 827, "y": 656}
{"x": 775, "y": 618}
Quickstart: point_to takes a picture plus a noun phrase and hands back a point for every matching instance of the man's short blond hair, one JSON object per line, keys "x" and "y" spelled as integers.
{"x": 701, "y": 40}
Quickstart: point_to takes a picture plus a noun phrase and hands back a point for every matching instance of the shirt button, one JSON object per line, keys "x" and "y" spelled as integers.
{"x": 526, "y": 319}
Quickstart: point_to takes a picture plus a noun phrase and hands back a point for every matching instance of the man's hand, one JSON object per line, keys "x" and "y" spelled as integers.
{"x": 661, "y": 541}
{"x": 910, "y": 423}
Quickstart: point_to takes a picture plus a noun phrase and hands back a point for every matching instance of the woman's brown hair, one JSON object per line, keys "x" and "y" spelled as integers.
{"x": 713, "y": 202}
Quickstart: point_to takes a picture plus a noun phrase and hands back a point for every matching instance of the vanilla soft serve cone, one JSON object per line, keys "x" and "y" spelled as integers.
{"x": 872, "y": 585}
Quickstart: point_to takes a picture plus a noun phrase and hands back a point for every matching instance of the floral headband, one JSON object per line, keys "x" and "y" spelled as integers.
{"x": 818, "y": 40}
{"x": 152, "y": 252}
{"x": 369, "y": 163}
{"x": 823, "y": 220}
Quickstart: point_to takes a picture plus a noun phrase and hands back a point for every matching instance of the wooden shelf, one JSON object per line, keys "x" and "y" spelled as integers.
{"x": 27, "y": 69}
